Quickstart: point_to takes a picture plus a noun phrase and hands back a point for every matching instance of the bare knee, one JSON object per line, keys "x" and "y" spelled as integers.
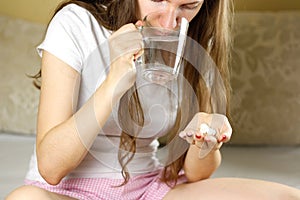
{"x": 28, "y": 192}
{"x": 234, "y": 188}
{"x": 290, "y": 194}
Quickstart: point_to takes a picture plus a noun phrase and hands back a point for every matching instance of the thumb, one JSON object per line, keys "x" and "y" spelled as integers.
{"x": 139, "y": 23}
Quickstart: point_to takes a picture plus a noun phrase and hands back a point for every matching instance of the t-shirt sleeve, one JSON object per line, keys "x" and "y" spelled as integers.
{"x": 66, "y": 36}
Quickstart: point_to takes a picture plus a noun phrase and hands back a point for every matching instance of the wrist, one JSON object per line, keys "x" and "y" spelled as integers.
{"x": 112, "y": 90}
{"x": 118, "y": 83}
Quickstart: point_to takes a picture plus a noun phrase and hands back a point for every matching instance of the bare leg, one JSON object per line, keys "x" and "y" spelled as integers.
{"x": 233, "y": 189}
{"x": 34, "y": 193}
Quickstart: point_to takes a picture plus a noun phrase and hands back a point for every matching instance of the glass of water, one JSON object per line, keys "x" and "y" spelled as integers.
{"x": 163, "y": 49}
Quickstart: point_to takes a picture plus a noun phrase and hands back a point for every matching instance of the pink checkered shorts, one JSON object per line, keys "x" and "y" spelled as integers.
{"x": 143, "y": 187}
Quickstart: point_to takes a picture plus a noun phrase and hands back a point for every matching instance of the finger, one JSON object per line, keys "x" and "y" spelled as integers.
{"x": 138, "y": 24}
{"x": 188, "y": 136}
{"x": 209, "y": 145}
{"x": 222, "y": 125}
{"x": 129, "y": 48}
{"x": 223, "y": 138}
{"x": 225, "y": 134}
{"x": 198, "y": 138}
{"x": 127, "y": 28}
{"x": 138, "y": 54}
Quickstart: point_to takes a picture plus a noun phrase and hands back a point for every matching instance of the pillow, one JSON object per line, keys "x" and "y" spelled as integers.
{"x": 18, "y": 58}
{"x": 265, "y": 78}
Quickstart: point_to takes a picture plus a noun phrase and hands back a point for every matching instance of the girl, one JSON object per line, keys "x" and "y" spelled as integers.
{"x": 83, "y": 153}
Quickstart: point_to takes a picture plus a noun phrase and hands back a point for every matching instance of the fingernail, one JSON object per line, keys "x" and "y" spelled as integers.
{"x": 189, "y": 134}
{"x": 223, "y": 138}
{"x": 198, "y": 136}
{"x": 182, "y": 134}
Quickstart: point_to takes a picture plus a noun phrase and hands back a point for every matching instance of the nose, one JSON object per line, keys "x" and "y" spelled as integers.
{"x": 169, "y": 20}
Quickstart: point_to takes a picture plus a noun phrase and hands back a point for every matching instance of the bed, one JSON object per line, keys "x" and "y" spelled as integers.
{"x": 265, "y": 103}
{"x": 279, "y": 164}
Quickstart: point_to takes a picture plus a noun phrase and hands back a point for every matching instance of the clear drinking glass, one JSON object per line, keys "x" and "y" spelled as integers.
{"x": 163, "y": 49}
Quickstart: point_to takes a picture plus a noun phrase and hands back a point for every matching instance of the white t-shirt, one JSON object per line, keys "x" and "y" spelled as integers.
{"x": 75, "y": 37}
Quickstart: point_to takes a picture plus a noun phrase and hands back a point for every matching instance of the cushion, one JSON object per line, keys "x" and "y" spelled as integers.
{"x": 18, "y": 58}
{"x": 265, "y": 78}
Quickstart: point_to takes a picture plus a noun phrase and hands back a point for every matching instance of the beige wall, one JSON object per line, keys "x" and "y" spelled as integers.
{"x": 267, "y": 5}
{"x": 41, "y": 10}
{"x": 33, "y": 10}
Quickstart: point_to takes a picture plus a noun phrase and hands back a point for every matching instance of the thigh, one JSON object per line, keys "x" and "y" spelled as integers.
{"x": 233, "y": 189}
{"x": 29, "y": 192}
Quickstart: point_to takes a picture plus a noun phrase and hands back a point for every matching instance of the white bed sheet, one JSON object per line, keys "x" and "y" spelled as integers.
{"x": 279, "y": 164}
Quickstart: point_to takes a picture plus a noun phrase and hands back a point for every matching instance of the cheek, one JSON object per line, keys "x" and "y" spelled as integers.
{"x": 191, "y": 16}
{"x": 144, "y": 7}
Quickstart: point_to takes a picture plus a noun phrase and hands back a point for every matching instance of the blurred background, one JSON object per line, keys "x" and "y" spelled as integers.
{"x": 264, "y": 68}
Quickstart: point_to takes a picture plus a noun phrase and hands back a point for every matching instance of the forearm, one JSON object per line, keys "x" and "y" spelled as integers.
{"x": 197, "y": 169}
{"x": 64, "y": 146}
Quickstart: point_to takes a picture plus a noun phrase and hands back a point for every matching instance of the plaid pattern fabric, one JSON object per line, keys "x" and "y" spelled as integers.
{"x": 143, "y": 187}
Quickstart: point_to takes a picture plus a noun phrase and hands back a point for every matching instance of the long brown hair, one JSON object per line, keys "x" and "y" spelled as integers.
{"x": 210, "y": 28}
